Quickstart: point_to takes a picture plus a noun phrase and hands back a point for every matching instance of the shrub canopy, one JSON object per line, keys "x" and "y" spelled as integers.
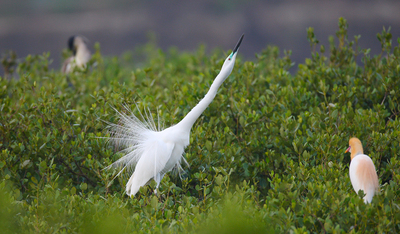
{"x": 267, "y": 155}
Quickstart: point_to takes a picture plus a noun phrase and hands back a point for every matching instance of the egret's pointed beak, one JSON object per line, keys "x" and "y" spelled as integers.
{"x": 348, "y": 149}
{"x": 238, "y": 44}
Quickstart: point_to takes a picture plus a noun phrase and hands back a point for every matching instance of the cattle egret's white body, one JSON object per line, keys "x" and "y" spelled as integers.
{"x": 79, "y": 47}
{"x": 151, "y": 152}
{"x": 362, "y": 171}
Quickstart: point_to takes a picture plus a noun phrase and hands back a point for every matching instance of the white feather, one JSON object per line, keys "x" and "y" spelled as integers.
{"x": 152, "y": 151}
{"x": 363, "y": 176}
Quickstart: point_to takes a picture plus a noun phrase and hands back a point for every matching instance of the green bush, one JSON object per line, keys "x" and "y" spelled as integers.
{"x": 267, "y": 155}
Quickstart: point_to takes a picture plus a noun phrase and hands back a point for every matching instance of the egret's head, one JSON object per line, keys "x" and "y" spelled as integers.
{"x": 355, "y": 147}
{"x": 76, "y": 41}
{"x": 230, "y": 60}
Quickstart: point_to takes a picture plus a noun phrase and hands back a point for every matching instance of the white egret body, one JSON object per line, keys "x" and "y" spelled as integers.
{"x": 81, "y": 54}
{"x": 362, "y": 171}
{"x": 153, "y": 152}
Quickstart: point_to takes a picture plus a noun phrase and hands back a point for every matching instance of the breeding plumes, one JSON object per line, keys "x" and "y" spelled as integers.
{"x": 150, "y": 151}
{"x": 362, "y": 171}
{"x": 81, "y": 54}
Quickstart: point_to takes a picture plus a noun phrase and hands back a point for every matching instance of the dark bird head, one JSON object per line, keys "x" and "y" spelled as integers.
{"x": 71, "y": 44}
{"x": 77, "y": 41}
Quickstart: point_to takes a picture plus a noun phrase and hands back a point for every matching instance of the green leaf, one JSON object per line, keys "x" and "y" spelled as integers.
{"x": 83, "y": 186}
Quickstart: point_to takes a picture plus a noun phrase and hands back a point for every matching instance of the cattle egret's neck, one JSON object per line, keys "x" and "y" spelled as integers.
{"x": 356, "y": 147}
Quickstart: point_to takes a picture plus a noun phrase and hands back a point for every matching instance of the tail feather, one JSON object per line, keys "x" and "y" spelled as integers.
{"x": 146, "y": 153}
{"x": 131, "y": 134}
{"x": 150, "y": 165}
{"x": 363, "y": 176}
{"x": 130, "y": 188}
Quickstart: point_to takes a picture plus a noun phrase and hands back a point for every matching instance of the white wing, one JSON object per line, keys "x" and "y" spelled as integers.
{"x": 363, "y": 176}
{"x": 146, "y": 153}
{"x": 132, "y": 134}
{"x": 154, "y": 156}
{"x": 67, "y": 65}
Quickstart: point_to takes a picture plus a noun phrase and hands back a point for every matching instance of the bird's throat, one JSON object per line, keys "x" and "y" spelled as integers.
{"x": 356, "y": 150}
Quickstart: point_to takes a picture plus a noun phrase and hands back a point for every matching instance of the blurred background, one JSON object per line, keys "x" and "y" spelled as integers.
{"x": 37, "y": 26}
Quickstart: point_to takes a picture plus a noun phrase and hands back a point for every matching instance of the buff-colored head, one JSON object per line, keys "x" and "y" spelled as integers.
{"x": 355, "y": 147}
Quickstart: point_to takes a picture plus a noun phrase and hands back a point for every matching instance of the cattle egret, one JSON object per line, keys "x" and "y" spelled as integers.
{"x": 150, "y": 151}
{"x": 362, "y": 171}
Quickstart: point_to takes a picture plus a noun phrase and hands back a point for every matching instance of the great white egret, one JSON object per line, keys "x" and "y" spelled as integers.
{"x": 150, "y": 151}
{"x": 81, "y": 54}
{"x": 362, "y": 171}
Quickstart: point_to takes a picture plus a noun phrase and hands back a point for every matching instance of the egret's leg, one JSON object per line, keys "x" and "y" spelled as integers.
{"x": 158, "y": 181}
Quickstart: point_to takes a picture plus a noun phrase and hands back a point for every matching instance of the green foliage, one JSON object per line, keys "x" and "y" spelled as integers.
{"x": 267, "y": 155}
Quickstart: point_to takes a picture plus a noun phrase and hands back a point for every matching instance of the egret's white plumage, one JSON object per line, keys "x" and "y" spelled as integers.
{"x": 81, "y": 54}
{"x": 150, "y": 151}
{"x": 362, "y": 171}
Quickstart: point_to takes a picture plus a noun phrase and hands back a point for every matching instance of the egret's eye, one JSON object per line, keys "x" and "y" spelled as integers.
{"x": 229, "y": 58}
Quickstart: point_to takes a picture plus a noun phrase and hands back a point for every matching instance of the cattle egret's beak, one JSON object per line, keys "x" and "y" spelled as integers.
{"x": 348, "y": 149}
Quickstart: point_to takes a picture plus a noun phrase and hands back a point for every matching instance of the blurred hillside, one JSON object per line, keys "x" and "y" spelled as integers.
{"x": 32, "y": 27}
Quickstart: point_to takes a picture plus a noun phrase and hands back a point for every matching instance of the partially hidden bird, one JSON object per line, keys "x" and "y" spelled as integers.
{"x": 150, "y": 152}
{"x": 362, "y": 170}
{"x": 81, "y": 54}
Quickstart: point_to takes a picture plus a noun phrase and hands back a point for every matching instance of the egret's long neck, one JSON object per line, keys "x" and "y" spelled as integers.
{"x": 356, "y": 149}
{"x": 187, "y": 122}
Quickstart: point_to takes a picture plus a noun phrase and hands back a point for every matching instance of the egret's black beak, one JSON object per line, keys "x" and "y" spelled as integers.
{"x": 237, "y": 45}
